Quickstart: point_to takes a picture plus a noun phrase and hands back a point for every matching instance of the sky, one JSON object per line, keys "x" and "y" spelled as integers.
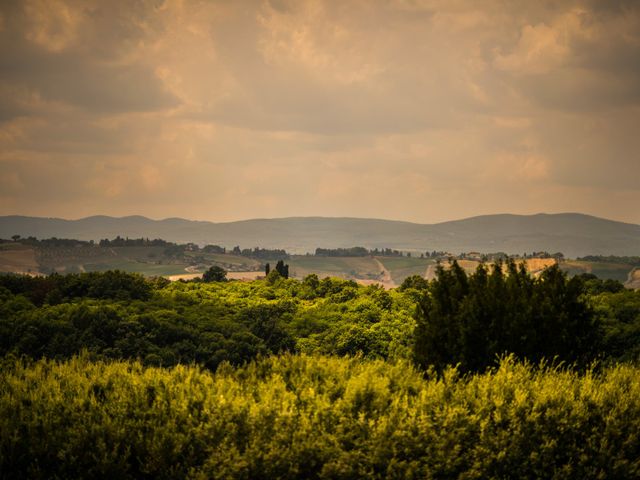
{"x": 418, "y": 110}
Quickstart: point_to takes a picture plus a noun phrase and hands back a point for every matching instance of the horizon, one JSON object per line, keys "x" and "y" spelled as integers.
{"x": 416, "y": 111}
{"x": 503, "y": 214}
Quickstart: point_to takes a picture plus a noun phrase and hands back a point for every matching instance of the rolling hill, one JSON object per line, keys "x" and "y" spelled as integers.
{"x": 571, "y": 233}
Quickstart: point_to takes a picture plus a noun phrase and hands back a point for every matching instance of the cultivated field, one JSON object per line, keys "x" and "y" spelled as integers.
{"x": 161, "y": 261}
{"x": 615, "y": 271}
{"x": 17, "y": 258}
{"x": 365, "y": 268}
{"x": 403, "y": 267}
{"x": 634, "y": 279}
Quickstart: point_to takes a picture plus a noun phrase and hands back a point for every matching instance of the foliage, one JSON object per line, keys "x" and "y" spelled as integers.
{"x": 215, "y": 274}
{"x": 415, "y": 282}
{"x": 470, "y": 320}
{"x": 282, "y": 269}
{"x": 342, "y": 252}
{"x": 214, "y": 249}
{"x": 49, "y": 242}
{"x": 619, "y": 314}
{"x": 281, "y": 378}
{"x": 316, "y": 417}
{"x": 114, "y": 285}
{"x": 263, "y": 253}
{"x": 134, "y": 242}
{"x": 593, "y": 285}
{"x": 633, "y": 260}
{"x": 356, "y": 252}
{"x": 207, "y": 323}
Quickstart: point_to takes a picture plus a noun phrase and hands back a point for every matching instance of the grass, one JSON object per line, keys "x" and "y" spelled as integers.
{"x": 403, "y": 267}
{"x": 614, "y": 271}
{"x": 153, "y": 261}
{"x": 148, "y": 269}
{"x": 148, "y": 260}
{"x": 346, "y": 267}
{"x": 229, "y": 259}
{"x": 18, "y": 259}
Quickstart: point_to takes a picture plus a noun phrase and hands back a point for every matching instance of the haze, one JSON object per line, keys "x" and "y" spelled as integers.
{"x": 412, "y": 110}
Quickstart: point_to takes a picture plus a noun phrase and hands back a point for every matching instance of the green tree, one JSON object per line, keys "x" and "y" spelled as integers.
{"x": 416, "y": 282}
{"x": 215, "y": 274}
{"x": 471, "y": 320}
{"x": 282, "y": 269}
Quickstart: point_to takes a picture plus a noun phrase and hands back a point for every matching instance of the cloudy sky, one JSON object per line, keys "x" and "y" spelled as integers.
{"x": 415, "y": 110}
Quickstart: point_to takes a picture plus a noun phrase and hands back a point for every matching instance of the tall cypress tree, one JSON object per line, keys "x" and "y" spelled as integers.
{"x": 282, "y": 269}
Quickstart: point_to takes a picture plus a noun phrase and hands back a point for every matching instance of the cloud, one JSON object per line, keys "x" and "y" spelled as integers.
{"x": 52, "y": 24}
{"x": 539, "y": 50}
{"x": 59, "y": 52}
{"x": 422, "y": 110}
{"x": 579, "y": 59}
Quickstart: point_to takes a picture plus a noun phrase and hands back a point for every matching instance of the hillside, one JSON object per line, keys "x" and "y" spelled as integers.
{"x": 571, "y": 233}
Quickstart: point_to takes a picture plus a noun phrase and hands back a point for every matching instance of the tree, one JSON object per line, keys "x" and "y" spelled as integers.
{"x": 273, "y": 277}
{"x": 282, "y": 269}
{"x": 215, "y": 274}
{"x": 416, "y": 282}
{"x": 267, "y": 269}
{"x": 471, "y": 320}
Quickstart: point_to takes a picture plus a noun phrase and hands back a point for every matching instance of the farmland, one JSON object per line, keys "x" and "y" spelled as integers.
{"x": 614, "y": 271}
{"x": 18, "y": 258}
{"x": 181, "y": 262}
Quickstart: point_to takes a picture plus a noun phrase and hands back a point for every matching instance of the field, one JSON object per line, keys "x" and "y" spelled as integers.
{"x": 160, "y": 261}
{"x": 634, "y": 279}
{"x": 389, "y": 271}
{"x": 147, "y": 260}
{"x": 614, "y": 271}
{"x": 536, "y": 265}
{"x": 18, "y": 258}
{"x": 365, "y": 268}
{"x": 227, "y": 261}
{"x": 403, "y": 267}
{"x": 131, "y": 266}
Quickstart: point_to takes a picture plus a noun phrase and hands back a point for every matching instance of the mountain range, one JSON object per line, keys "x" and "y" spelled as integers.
{"x": 573, "y": 234}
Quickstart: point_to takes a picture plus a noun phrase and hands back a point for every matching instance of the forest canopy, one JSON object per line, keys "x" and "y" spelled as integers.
{"x": 462, "y": 319}
{"x": 318, "y": 378}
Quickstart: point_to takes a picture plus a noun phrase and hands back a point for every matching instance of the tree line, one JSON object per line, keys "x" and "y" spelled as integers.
{"x": 630, "y": 260}
{"x": 356, "y": 252}
{"x": 457, "y": 318}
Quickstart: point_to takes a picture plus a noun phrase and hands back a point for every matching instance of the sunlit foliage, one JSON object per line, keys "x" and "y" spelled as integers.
{"x": 206, "y": 323}
{"x": 316, "y": 417}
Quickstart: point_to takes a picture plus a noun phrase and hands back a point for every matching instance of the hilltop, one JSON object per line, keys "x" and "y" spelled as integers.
{"x": 570, "y": 233}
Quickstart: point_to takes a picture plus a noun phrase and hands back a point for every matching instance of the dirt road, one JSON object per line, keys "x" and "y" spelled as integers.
{"x": 386, "y": 281}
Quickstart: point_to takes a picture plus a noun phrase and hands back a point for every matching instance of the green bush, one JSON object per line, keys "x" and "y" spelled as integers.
{"x": 316, "y": 417}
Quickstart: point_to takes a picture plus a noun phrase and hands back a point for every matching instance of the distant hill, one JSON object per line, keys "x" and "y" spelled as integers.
{"x": 571, "y": 233}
